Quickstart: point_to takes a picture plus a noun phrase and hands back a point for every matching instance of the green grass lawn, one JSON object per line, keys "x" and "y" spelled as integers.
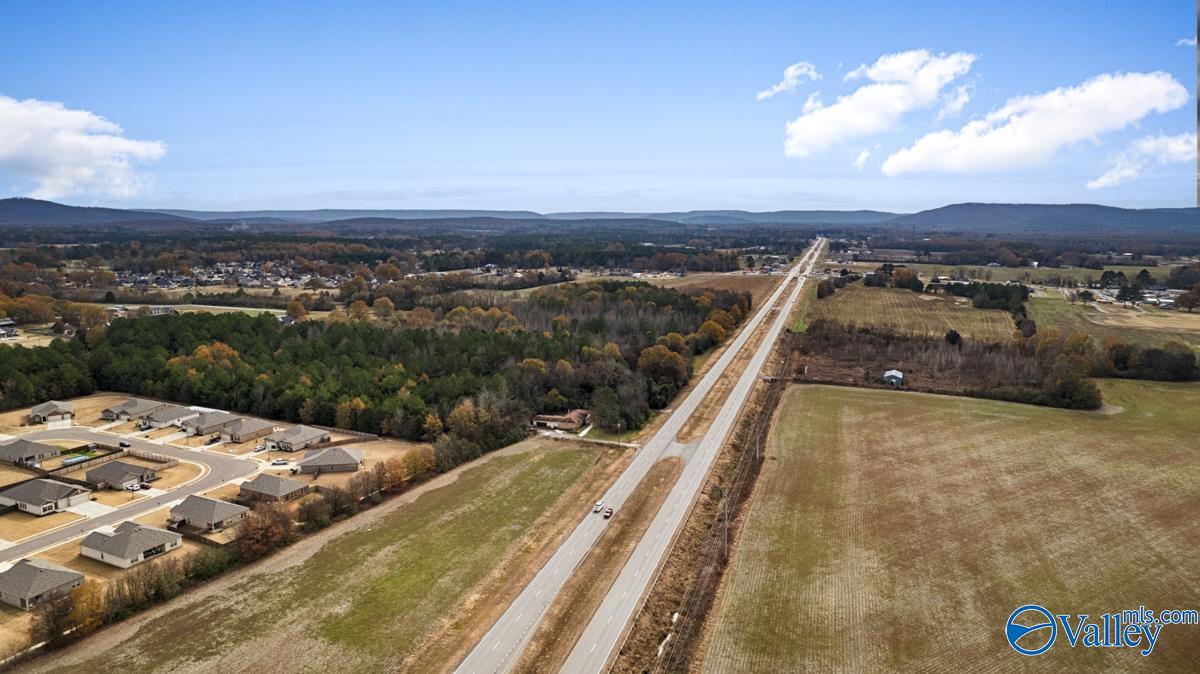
{"x": 364, "y": 600}
{"x": 896, "y": 532}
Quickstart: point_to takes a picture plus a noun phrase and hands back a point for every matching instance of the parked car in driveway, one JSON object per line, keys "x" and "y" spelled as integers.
{"x": 213, "y": 440}
{"x": 133, "y": 487}
{"x": 279, "y": 462}
{"x": 145, "y": 485}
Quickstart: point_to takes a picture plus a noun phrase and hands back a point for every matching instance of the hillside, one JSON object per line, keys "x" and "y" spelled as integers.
{"x": 35, "y": 212}
{"x": 1049, "y": 217}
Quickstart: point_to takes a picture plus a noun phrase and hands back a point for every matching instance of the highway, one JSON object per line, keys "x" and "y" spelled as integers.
{"x": 218, "y": 469}
{"x": 501, "y": 647}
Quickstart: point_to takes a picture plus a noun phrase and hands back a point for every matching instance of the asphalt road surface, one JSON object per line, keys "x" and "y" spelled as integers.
{"x": 218, "y": 469}
{"x": 501, "y": 647}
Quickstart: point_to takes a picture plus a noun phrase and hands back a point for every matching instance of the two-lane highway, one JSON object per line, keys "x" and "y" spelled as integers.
{"x": 218, "y": 469}
{"x": 501, "y": 647}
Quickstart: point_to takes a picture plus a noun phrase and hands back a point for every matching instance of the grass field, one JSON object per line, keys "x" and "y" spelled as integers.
{"x": 915, "y": 312}
{"x": 1147, "y": 327}
{"x": 998, "y": 274}
{"x": 897, "y": 531}
{"x": 759, "y": 286}
{"x": 368, "y": 598}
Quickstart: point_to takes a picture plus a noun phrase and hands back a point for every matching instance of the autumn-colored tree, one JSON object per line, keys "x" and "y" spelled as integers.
{"x": 296, "y": 310}
{"x": 383, "y": 308}
{"x": 87, "y": 607}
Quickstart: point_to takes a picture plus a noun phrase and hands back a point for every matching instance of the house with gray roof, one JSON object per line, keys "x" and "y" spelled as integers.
{"x": 331, "y": 460}
{"x": 167, "y": 415}
{"x": 52, "y": 410}
{"x": 130, "y": 543}
{"x": 130, "y": 409}
{"x": 42, "y": 496}
{"x": 266, "y": 487}
{"x": 245, "y": 430}
{"x": 208, "y": 514}
{"x": 22, "y": 452}
{"x": 119, "y": 474}
{"x": 296, "y": 438}
{"x": 31, "y": 581}
{"x": 208, "y": 422}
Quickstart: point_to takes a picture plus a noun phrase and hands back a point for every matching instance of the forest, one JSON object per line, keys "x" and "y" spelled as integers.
{"x": 467, "y": 378}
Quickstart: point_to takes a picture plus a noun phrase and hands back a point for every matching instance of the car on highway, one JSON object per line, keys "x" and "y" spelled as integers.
{"x": 598, "y": 507}
{"x": 608, "y": 513}
{"x": 279, "y": 462}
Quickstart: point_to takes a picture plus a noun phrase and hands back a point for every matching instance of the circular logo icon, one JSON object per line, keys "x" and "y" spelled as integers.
{"x": 1034, "y": 638}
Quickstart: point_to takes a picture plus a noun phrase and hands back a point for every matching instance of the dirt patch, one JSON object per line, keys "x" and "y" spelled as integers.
{"x": 578, "y": 600}
{"x": 12, "y": 475}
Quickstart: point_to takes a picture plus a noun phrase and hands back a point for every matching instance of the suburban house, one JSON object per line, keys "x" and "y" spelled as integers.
{"x": 51, "y": 411}
{"x": 25, "y": 453}
{"x": 130, "y": 409}
{"x": 571, "y": 421}
{"x": 245, "y": 430}
{"x": 118, "y": 475}
{"x": 8, "y": 328}
{"x": 162, "y": 310}
{"x": 209, "y": 514}
{"x": 167, "y": 415}
{"x": 331, "y": 460}
{"x": 266, "y": 487}
{"x": 208, "y": 422}
{"x": 30, "y": 581}
{"x": 42, "y": 496}
{"x": 296, "y": 438}
{"x": 893, "y": 378}
{"x": 130, "y": 543}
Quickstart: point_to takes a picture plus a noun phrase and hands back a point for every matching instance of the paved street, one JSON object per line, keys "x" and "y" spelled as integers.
{"x": 500, "y": 648}
{"x": 218, "y": 469}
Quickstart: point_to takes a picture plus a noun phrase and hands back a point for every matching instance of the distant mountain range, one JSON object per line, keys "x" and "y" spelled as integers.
{"x": 967, "y": 217}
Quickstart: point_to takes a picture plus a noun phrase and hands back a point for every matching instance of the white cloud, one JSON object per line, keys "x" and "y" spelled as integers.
{"x": 1144, "y": 151}
{"x": 898, "y": 84}
{"x": 792, "y": 78}
{"x": 861, "y": 160}
{"x": 1030, "y": 130}
{"x": 66, "y": 151}
{"x": 954, "y": 101}
{"x": 1186, "y": 42}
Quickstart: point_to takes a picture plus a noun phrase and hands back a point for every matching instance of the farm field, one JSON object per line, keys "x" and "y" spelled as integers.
{"x": 914, "y": 312}
{"x": 389, "y": 586}
{"x": 1149, "y": 327}
{"x": 998, "y": 274}
{"x": 897, "y": 531}
{"x": 759, "y": 286}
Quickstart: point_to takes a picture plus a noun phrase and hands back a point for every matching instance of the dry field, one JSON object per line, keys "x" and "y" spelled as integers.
{"x": 1026, "y": 275}
{"x": 897, "y": 531}
{"x": 17, "y": 525}
{"x": 1148, "y": 326}
{"x": 11, "y": 474}
{"x": 407, "y": 585}
{"x": 760, "y": 286}
{"x": 914, "y": 312}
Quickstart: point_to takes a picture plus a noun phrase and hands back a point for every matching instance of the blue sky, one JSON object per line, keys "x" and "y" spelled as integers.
{"x": 614, "y": 106}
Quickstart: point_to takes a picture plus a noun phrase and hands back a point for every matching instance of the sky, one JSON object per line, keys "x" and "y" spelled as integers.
{"x": 631, "y": 106}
